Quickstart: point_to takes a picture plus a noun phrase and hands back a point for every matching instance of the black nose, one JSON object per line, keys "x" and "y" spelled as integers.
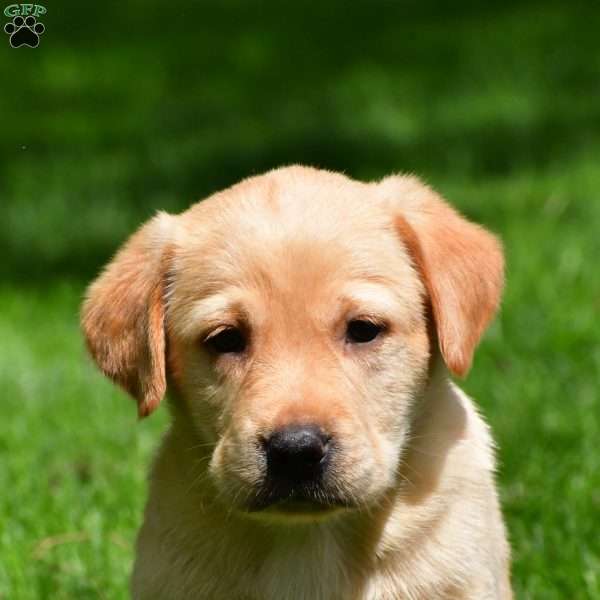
{"x": 296, "y": 453}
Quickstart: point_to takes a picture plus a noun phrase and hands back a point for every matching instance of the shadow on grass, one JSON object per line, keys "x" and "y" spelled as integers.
{"x": 131, "y": 108}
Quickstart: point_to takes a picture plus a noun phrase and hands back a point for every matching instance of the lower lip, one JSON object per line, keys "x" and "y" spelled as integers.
{"x": 300, "y": 507}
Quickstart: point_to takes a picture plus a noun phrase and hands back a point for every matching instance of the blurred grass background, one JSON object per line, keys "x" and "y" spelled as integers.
{"x": 129, "y": 107}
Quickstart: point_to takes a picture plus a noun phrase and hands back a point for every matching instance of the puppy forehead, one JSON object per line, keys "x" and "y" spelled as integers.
{"x": 285, "y": 239}
{"x": 288, "y": 203}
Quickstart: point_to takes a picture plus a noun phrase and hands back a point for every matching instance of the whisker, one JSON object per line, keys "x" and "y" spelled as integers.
{"x": 206, "y": 445}
{"x": 425, "y": 453}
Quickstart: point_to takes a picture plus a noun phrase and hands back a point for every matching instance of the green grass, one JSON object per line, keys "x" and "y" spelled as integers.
{"x": 127, "y": 108}
{"x": 73, "y": 457}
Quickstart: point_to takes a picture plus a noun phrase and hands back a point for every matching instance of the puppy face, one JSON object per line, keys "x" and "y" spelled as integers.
{"x": 298, "y": 310}
{"x": 293, "y": 308}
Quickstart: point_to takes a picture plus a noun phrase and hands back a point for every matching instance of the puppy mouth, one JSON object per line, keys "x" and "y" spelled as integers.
{"x": 304, "y": 499}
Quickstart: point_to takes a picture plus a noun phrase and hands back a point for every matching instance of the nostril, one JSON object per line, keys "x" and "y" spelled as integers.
{"x": 296, "y": 450}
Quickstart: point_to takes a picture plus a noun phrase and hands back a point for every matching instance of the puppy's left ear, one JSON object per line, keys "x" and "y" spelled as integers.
{"x": 123, "y": 314}
{"x": 461, "y": 264}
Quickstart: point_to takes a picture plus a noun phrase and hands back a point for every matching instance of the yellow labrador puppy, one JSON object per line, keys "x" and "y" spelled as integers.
{"x": 306, "y": 325}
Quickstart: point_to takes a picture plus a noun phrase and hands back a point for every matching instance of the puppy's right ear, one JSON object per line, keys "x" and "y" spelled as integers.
{"x": 123, "y": 314}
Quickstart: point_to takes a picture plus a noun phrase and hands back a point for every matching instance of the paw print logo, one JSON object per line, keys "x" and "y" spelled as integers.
{"x": 24, "y": 32}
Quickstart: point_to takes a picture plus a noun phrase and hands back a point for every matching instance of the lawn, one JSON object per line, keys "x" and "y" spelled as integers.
{"x": 126, "y": 109}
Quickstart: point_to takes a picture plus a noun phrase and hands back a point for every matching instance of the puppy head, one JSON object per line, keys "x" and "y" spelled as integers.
{"x": 293, "y": 307}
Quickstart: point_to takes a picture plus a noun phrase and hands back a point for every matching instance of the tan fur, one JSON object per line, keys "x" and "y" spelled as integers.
{"x": 291, "y": 257}
{"x": 460, "y": 262}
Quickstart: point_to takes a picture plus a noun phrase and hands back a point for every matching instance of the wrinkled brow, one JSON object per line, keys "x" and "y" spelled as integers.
{"x": 225, "y": 308}
{"x": 369, "y": 298}
{"x": 354, "y": 298}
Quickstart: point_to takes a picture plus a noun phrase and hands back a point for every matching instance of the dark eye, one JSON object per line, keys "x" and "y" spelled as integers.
{"x": 229, "y": 340}
{"x": 361, "y": 331}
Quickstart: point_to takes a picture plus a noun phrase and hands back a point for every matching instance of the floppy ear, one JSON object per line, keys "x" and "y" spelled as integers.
{"x": 123, "y": 314}
{"x": 461, "y": 264}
